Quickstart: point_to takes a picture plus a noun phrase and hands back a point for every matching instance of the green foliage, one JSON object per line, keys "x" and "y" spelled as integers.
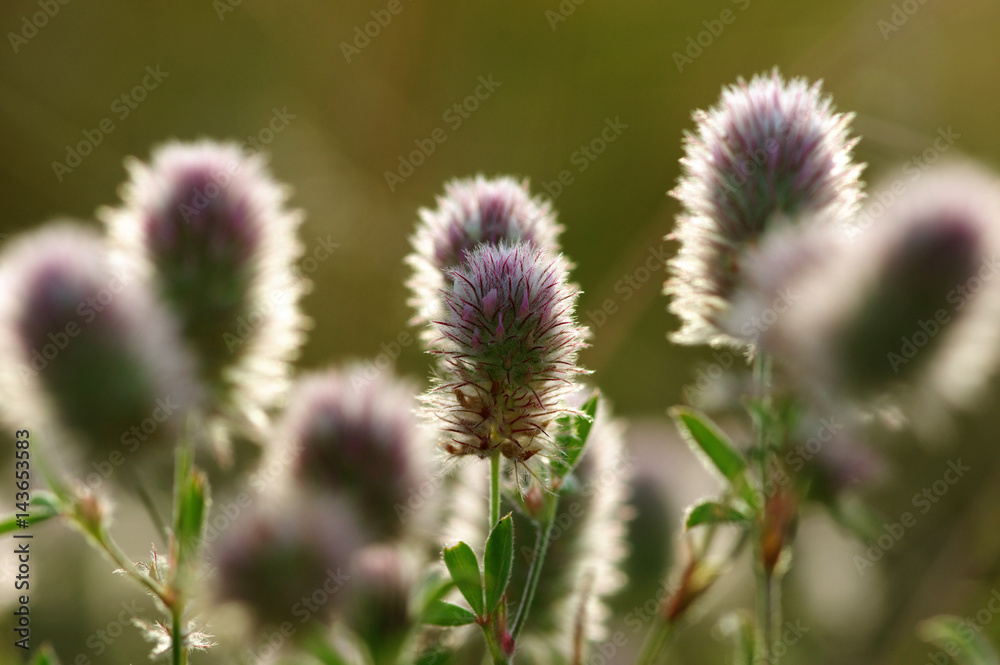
{"x": 464, "y": 568}
{"x": 498, "y": 560}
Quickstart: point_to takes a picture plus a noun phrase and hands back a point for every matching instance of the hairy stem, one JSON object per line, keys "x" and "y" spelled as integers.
{"x": 494, "y": 491}
{"x": 768, "y": 592}
{"x": 535, "y": 571}
{"x": 656, "y": 643}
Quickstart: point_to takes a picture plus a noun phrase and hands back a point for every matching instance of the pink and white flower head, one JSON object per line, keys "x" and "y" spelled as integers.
{"x": 357, "y": 436}
{"x": 471, "y": 212}
{"x": 911, "y": 311}
{"x": 207, "y": 226}
{"x": 508, "y": 342}
{"x": 769, "y": 149}
{"x": 271, "y": 559}
{"x": 88, "y": 352}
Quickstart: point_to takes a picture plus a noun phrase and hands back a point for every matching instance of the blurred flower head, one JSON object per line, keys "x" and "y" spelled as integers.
{"x": 769, "y": 150}
{"x": 508, "y": 344}
{"x": 473, "y": 211}
{"x": 290, "y": 561}
{"x": 357, "y": 436}
{"x": 912, "y": 310}
{"x": 206, "y": 224}
{"x": 86, "y": 347}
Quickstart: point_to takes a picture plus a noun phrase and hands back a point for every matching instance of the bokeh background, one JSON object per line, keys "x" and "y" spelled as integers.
{"x": 561, "y": 71}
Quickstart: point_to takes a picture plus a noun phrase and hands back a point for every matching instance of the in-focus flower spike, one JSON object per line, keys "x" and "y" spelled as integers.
{"x": 504, "y": 378}
{"x": 473, "y": 211}
{"x": 87, "y": 349}
{"x": 354, "y": 433}
{"x": 208, "y": 226}
{"x": 769, "y": 149}
{"x": 912, "y": 310}
{"x": 583, "y": 565}
{"x": 271, "y": 559}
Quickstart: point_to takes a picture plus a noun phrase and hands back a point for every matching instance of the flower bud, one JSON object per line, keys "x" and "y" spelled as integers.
{"x": 289, "y": 561}
{"x": 88, "y": 349}
{"x": 356, "y": 435}
{"x": 508, "y": 341}
{"x": 472, "y": 212}
{"x": 768, "y": 149}
{"x": 206, "y": 224}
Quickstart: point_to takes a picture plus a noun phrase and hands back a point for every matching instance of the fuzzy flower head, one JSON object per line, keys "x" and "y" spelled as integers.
{"x": 508, "y": 341}
{"x": 770, "y": 149}
{"x": 272, "y": 559}
{"x": 357, "y": 436}
{"x": 207, "y": 226}
{"x": 909, "y": 312}
{"x": 86, "y": 347}
{"x": 473, "y": 211}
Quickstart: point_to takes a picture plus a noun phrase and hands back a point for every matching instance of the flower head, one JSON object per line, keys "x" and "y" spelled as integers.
{"x": 207, "y": 226}
{"x": 271, "y": 559}
{"x": 473, "y": 211}
{"x": 770, "y": 149}
{"x": 911, "y": 311}
{"x": 86, "y": 347}
{"x": 508, "y": 342}
{"x": 357, "y": 436}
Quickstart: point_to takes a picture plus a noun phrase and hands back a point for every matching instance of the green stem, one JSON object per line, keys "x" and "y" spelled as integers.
{"x": 656, "y": 643}
{"x": 768, "y": 592}
{"x": 117, "y": 556}
{"x": 178, "y": 649}
{"x": 491, "y": 641}
{"x": 535, "y": 571}
{"x": 494, "y": 490}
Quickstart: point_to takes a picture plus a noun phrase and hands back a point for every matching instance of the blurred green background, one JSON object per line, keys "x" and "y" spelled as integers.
{"x": 561, "y": 71}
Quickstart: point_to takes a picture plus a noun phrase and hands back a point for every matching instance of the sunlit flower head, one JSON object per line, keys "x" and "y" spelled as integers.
{"x": 87, "y": 351}
{"x": 508, "y": 342}
{"x": 206, "y": 224}
{"x": 471, "y": 212}
{"x": 357, "y": 436}
{"x": 911, "y": 311}
{"x": 770, "y": 149}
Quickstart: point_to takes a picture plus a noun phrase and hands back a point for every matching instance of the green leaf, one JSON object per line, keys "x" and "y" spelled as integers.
{"x": 441, "y": 613}
{"x": 45, "y": 656}
{"x": 42, "y": 507}
{"x": 710, "y": 512}
{"x": 497, "y": 561}
{"x": 572, "y": 433}
{"x": 714, "y": 448}
{"x": 434, "y": 656}
{"x": 191, "y": 511}
{"x": 464, "y": 568}
{"x": 951, "y": 632}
